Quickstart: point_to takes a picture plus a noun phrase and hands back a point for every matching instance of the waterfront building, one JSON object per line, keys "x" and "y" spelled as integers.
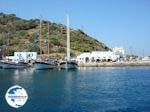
{"x": 146, "y": 58}
{"x": 100, "y": 56}
{"x": 118, "y": 51}
{"x": 23, "y": 56}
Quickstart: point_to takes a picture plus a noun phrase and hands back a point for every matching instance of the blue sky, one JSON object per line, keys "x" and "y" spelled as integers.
{"x": 115, "y": 22}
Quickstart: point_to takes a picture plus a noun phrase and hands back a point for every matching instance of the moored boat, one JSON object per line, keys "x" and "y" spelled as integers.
{"x": 13, "y": 65}
{"x": 68, "y": 64}
{"x": 1, "y": 64}
{"x": 43, "y": 64}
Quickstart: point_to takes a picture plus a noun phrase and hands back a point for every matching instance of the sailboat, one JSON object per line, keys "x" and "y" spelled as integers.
{"x": 6, "y": 64}
{"x": 68, "y": 64}
{"x": 1, "y": 66}
{"x": 1, "y": 60}
{"x": 42, "y": 64}
{"x": 13, "y": 65}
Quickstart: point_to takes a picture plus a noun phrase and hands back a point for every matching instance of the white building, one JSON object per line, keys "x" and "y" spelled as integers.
{"x": 146, "y": 58}
{"x": 23, "y": 56}
{"x": 97, "y": 56}
{"x": 118, "y": 51}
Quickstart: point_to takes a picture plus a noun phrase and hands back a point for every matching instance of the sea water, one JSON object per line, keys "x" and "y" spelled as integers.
{"x": 106, "y": 89}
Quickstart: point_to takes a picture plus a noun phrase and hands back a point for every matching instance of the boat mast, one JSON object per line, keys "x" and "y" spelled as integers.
{"x": 40, "y": 38}
{"x": 48, "y": 38}
{"x": 68, "y": 39}
{"x": 8, "y": 46}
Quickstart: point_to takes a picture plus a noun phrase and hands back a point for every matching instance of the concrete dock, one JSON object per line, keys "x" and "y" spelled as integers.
{"x": 114, "y": 64}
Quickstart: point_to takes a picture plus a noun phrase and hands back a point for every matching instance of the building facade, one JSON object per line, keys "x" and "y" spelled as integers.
{"x": 23, "y": 56}
{"x": 100, "y": 56}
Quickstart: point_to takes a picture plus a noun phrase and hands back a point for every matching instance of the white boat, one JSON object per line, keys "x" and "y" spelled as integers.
{"x": 13, "y": 65}
{"x": 6, "y": 64}
{"x": 68, "y": 64}
{"x": 43, "y": 65}
{"x": 39, "y": 65}
{"x": 1, "y": 64}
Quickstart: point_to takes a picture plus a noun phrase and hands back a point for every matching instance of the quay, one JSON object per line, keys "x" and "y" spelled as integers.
{"x": 114, "y": 64}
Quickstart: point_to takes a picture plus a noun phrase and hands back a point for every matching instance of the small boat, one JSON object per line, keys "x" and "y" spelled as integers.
{"x": 7, "y": 64}
{"x": 13, "y": 65}
{"x": 68, "y": 64}
{"x": 43, "y": 65}
{"x": 1, "y": 65}
{"x": 39, "y": 65}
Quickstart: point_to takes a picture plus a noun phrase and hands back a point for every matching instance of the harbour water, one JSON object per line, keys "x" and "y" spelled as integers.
{"x": 97, "y": 89}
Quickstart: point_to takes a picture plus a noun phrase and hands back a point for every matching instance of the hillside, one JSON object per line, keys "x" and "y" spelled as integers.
{"x": 22, "y": 35}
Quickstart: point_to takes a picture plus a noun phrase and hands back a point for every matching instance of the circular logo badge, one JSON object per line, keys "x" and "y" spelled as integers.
{"x": 16, "y": 96}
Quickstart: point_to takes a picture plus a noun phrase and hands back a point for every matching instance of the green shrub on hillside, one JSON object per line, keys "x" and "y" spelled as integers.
{"x": 21, "y": 31}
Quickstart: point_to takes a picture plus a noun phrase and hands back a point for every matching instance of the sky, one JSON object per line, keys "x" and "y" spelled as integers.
{"x": 114, "y": 22}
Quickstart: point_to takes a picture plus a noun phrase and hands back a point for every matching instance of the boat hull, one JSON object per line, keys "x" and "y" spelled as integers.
{"x": 7, "y": 65}
{"x": 1, "y": 65}
{"x": 68, "y": 65}
{"x": 42, "y": 65}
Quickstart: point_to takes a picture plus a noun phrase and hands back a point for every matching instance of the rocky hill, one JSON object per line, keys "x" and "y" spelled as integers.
{"x": 23, "y": 35}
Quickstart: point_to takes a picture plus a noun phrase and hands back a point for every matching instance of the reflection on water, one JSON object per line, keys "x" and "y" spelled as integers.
{"x": 83, "y": 90}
